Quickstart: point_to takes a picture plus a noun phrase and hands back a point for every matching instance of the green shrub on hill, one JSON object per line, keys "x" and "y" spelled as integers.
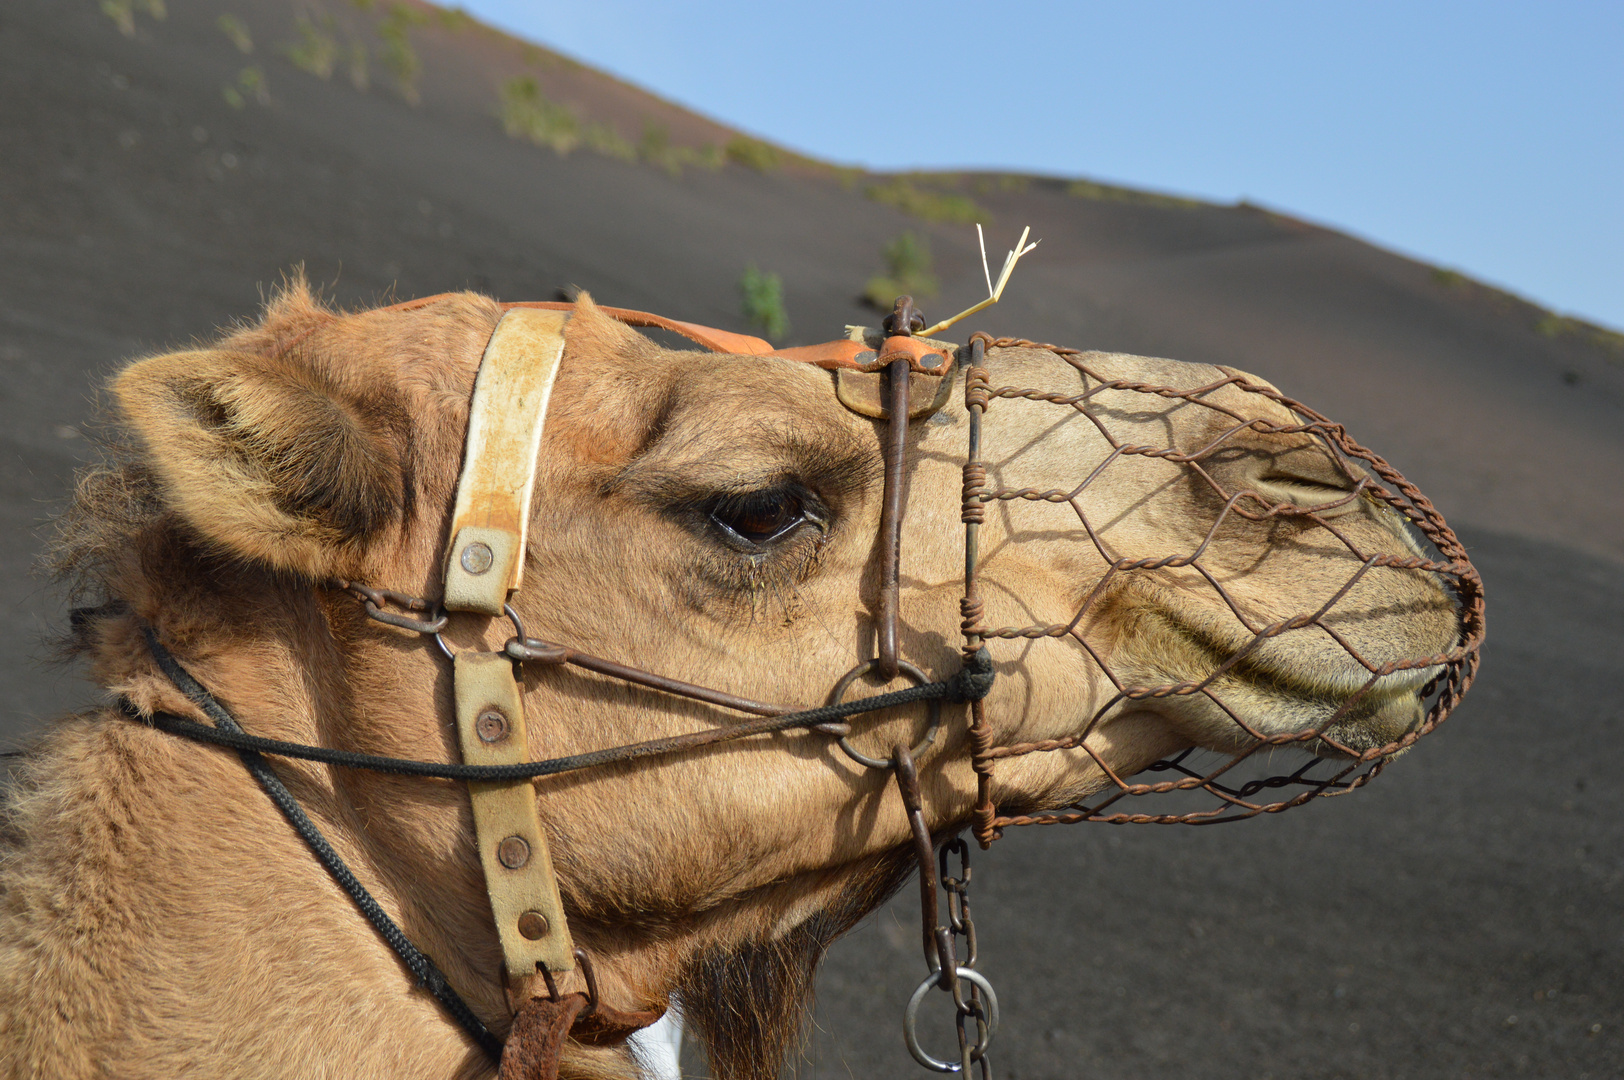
{"x": 657, "y": 149}
{"x": 753, "y": 153}
{"x": 1545, "y": 322}
{"x": 1088, "y": 189}
{"x": 918, "y": 202}
{"x": 454, "y": 19}
{"x": 123, "y": 12}
{"x": 1552, "y": 325}
{"x": 250, "y": 86}
{"x": 317, "y": 50}
{"x": 909, "y": 272}
{"x": 526, "y": 114}
{"x": 1002, "y": 182}
{"x": 236, "y": 30}
{"x": 605, "y": 140}
{"x": 398, "y": 56}
{"x": 761, "y": 297}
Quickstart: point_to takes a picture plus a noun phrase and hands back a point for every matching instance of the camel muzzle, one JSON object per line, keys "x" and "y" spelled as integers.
{"x": 1223, "y": 682}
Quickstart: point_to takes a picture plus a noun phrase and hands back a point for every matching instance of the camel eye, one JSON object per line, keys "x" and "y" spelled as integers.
{"x": 759, "y": 518}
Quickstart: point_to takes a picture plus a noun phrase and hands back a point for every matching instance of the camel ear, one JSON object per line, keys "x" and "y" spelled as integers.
{"x": 263, "y": 457}
{"x": 612, "y": 388}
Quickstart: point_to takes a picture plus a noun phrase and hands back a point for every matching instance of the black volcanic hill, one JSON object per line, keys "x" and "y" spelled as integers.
{"x": 1463, "y": 917}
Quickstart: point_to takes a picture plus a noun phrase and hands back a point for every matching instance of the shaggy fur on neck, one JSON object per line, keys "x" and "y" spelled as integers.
{"x": 722, "y": 993}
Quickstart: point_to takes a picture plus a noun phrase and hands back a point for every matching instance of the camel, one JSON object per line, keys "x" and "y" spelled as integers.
{"x": 711, "y": 517}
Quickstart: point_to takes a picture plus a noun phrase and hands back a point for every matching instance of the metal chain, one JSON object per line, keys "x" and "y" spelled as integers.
{"x": 947, "y": 971}
{"x": 959, "y": 924}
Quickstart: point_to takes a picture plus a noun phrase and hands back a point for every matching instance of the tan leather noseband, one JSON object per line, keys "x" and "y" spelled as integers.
{"x": 485, "y": 564}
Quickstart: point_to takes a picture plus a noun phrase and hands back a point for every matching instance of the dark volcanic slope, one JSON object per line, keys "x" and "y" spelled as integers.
{"x": 1462, "y": 918}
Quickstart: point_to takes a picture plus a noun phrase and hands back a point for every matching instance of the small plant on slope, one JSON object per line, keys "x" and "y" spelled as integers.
{"x": 527, "y": 114}
{"x": 910, "y": 198}
{"x": 399, "y": 57}
{"x": 762, "y": 301}
{"x": 123, "y": 12}
{"x": 237, "y": 30}
{"x": 753, "y": 153}
{"x": 908, "y": 272}
{"x": 317, "y": 50}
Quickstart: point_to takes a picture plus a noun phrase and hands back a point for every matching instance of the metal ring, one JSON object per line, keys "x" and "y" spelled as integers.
{"x": 439, "y": 639}
{"x": 444, "y": 617}
{"x": 919, "y": 679}
{"x": 910, "y": 1018}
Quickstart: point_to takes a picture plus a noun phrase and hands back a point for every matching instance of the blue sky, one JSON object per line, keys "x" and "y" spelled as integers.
{"x": 1486, "y": 136}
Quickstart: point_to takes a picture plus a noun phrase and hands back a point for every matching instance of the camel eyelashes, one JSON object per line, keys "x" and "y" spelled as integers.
{"x": 757, "y": 519}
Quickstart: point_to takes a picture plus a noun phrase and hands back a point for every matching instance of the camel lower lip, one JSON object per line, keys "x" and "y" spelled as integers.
{"x": 1391, "y": 717}
{"x": 1342, "y": 701}
{"x": 1242, "y": 704}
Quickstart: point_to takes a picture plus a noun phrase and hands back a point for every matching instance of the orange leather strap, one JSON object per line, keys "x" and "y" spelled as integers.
{"x": 924, "y": 356}
{"x": 723, "y": 341}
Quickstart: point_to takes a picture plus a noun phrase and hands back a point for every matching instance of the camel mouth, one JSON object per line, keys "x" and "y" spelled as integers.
{"x": 1228, "y": 693}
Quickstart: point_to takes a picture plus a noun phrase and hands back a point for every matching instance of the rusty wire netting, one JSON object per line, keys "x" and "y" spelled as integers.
{"x": 1242, "y": 784}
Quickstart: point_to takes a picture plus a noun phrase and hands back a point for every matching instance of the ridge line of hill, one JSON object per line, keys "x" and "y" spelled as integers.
{"x": 558, "y": 102}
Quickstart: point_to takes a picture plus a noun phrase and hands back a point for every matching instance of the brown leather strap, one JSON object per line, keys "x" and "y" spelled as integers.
{"x": 723, "y": 341}
{"x": 604, "y": 1026}
{"x": 924, "y": 356}
{"x": 542, "y": 1023}
{"x": 537, "y": 1039}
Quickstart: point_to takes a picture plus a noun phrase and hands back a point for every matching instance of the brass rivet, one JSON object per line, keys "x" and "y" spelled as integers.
{"x": 477, "y": 558}
{"x": 513, "y": 852}
{"x": 533, "y": 925}
{"x": 491, "y": 726}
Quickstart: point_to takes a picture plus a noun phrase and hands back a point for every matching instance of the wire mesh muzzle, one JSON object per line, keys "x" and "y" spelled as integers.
{"x": 1224, "y": 786}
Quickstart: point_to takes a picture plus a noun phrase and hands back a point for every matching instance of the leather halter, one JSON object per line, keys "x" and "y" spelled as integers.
{"x": 485, "y": 564}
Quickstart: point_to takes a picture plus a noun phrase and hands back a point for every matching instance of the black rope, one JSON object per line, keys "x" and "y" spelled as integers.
{"x": 422, "y": 968}
{"x": 976, "y": 677}
{"x": 971, "y": 683}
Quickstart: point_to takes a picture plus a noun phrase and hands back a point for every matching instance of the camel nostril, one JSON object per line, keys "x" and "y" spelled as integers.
{"x": 1292, "y": 471}
{"x": 1306, "y": 493}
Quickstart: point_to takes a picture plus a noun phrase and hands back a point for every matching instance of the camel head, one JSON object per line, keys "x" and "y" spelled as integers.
{"x": 714, "y": 518}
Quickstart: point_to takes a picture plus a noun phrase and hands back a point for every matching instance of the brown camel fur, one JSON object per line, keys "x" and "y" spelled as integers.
{"x": 159, "y": 918}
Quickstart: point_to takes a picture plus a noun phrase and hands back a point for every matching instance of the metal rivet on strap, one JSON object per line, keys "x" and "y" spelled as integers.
{"x": 513, "y": 852}
{"x": 931, "y": 361}
{"x": 492, "y": 726}
{"x": 534, "y": 926}
{"x": 477, "y": 558}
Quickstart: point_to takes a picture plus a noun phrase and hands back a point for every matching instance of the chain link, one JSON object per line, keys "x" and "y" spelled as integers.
{"x": 960, "y": 924}
{"x": 947, "y": 971}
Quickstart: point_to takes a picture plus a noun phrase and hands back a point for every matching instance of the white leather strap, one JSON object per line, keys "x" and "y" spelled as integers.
{"x": 512, "y": 847}
{"x": 515, "y": 382}
{"x": 485, "y": 563}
